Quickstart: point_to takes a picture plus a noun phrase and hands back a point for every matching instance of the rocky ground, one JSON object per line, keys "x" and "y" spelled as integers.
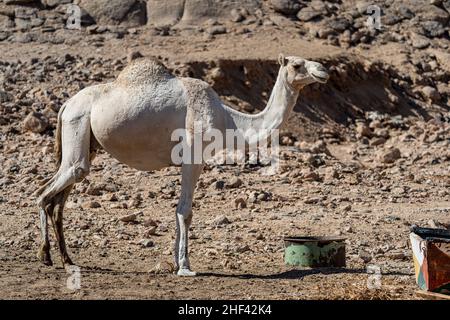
{"x": 364, "y": 157}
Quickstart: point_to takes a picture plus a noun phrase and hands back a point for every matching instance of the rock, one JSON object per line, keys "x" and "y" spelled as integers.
{"x": 288, "y": 7}
{"x": 221, "y": 220}
{"x": 306, "y": 14}
{"x": 164, "y": 13}
{"x": 320, "y": 147}
{"x": 331, "y": 174}
{"x": 419, "y": 42}
{"x": 215, "y": 30}
{"x": 433, "y": 13}
{"x": 194, "y": 12}
{"x": 5, "y": 97}
{"x": 150, "y": 232}
{"x": 6, "y": 22}
{"x": 150, "y": 223}
{"x": 310, "y": 175}
{"x": 218, "y": 185}
{"x": 389, "y": 156}
{"x": 35, "y": 122}
{"x": 377, "y": 141}
{"x": 235, "y": 182}
{"x": 237, "y": 15}
{"x": 146, "y": 243}
{"x": 365, "y": 256}
{"x": 242, "y": 249}
{"x": 129, "y": 13}
{"x": 20, "y": 1}
{"x": 55, "y": 3}
{"x": 240, "y": 203}
{"x": 162, "y": 228}
{"x": 129, "y": 218}
{"x": 433, "y": 29}
{"x": 92, "y": 205}
{"x": 133, "y": 55}
{"x": 430, "y": 93}
{"x": 363, "y": 130}
{"x": 163, "y": 267}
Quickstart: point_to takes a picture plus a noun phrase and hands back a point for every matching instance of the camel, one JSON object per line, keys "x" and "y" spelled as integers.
{"x": 132, "y": 119}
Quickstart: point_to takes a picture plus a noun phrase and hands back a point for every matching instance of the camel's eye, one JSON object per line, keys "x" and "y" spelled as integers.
{"x": 297, "y": 67}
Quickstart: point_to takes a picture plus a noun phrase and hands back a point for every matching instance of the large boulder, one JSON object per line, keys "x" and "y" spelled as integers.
{"x": 194, "y": 12}
{"x": 165, "y": 13}
{"x": 130, "y": 13}
{"x": 287, "y": 7}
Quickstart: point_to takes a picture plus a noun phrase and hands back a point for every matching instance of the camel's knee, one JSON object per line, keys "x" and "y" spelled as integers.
{"x": 81, "y": 172}
{"x": 185, "y": 212}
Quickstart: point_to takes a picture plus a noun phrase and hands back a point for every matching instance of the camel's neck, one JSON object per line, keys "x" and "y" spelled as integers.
{"x": 281, "y": 102}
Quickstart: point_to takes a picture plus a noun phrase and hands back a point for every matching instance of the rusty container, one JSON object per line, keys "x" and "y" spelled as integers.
{"x": 431, "y": 256}
{"x": 314, "y": 252}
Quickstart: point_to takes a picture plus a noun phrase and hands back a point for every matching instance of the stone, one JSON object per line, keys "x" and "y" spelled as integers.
{"x": 21, "y": 1}
{"x": 55, "y": 3}
{"x": 221, "y": 220}
{"x": 129, "y": 218}
{"x": 150, "y": 232}
{"x": 6, "y": 22}
{"x": 150, "y": 223}
{"x": 218, "y": 185}
{"x": 430, "y": 93}
{"x": 92, "y": 205}
{"x": 363, "y": 130}
{"x": 194, "y": 12}
{"x": 164, "y": 13}
{"x": 133, "y": 55}
{"x": 390, "y": 156}
{"x": 235, "y": 182}
{"x": 129, "y": 13}
{"x": 237, "y": 15}
{"x": 419, "y": 42}
{"x": 378, "y": 141}
{"x": 240, "y": 203}
{"x": 287, "y": 7}
{"x": 433, "y": 29}
{"x": 35, "y": 122}
{"x": 242, "y": 249}
{"x": 365, "y": 256}
{"x": 306, "y": 14}
{"x": 215, "y": 30}
{"x": 146, "y": 243}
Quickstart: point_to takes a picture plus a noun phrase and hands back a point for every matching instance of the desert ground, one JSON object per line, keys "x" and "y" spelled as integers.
{"x": 364, "y": 156}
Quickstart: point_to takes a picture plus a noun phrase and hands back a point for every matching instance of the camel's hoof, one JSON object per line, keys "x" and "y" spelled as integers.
{"x": 68, "y": 262}
{"x": 45, "y": 258}
{"x": 186, "y": 273}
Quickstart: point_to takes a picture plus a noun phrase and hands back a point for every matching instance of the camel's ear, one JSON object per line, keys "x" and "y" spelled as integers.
{"x": 282, "y": 60}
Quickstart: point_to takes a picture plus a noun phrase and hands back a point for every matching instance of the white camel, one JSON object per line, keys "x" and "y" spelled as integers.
{"x": 133, "y": 117}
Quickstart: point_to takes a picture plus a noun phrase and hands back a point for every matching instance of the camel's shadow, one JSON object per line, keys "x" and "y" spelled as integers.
{"x": 293, "y": 274}
{"x": 289, "y": 274}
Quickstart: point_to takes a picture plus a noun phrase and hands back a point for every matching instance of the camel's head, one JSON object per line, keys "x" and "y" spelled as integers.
{"x": 301, "y": 72}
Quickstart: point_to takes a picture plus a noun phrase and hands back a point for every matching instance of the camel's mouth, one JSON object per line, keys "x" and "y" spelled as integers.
{"x": 321, "y": 77}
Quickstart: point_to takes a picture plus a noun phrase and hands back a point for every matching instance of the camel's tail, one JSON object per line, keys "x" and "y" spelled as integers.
{"x": 58, "y": 141}
{"x": 58, "y": 149}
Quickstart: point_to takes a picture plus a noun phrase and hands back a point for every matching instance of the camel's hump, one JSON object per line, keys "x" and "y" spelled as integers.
{"x": 144, "y": 71}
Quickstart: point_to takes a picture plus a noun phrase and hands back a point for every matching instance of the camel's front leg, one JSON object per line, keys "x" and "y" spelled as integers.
{"x": 190, "y": 174}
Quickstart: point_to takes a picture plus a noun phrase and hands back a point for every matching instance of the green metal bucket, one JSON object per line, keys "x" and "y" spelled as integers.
{"x": 314, "y": 252}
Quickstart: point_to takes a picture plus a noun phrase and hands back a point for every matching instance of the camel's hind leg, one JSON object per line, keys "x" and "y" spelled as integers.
{"x": 75, "y": 164}
{"x": 57, "y": 220}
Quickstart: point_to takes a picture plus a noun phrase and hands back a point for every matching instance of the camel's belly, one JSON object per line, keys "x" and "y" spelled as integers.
{"x": 137, "y": 132}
